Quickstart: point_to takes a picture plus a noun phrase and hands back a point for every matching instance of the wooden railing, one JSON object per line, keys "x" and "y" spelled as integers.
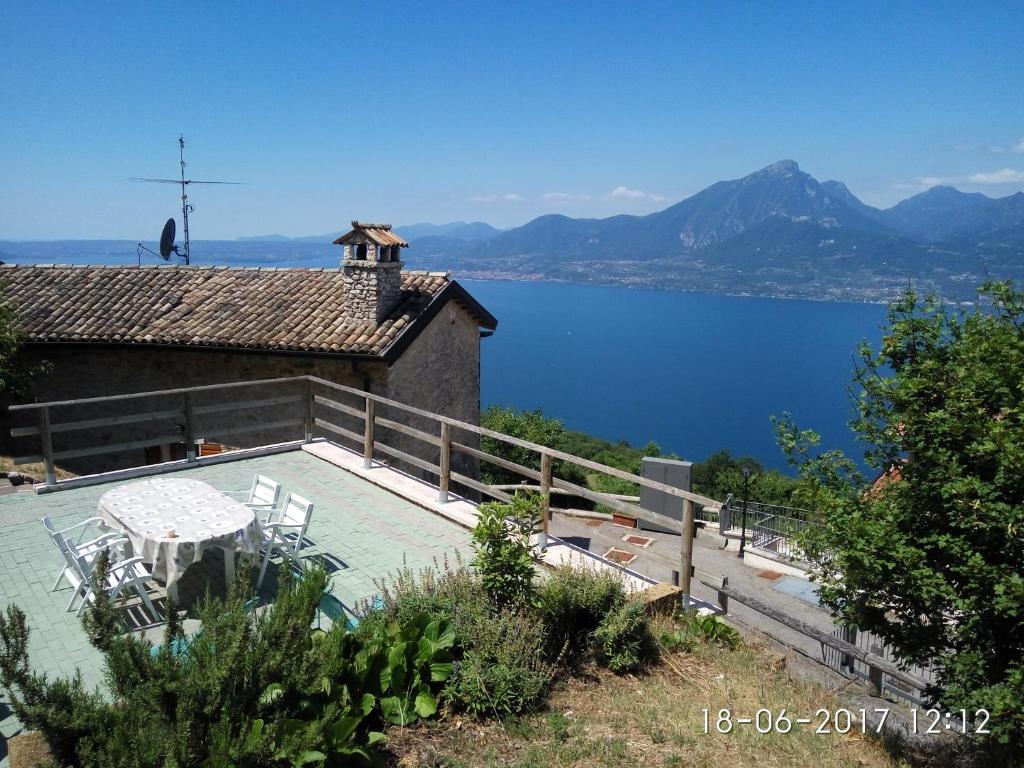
{"x": 878, "y": 667}
{"x": 322, "y": 408}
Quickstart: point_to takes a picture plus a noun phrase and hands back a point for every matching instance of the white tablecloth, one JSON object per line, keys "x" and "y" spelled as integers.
{"x": 199, "y": 515}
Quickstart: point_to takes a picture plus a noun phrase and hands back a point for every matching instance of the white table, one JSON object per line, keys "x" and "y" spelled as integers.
{"x": 171, "y": 522}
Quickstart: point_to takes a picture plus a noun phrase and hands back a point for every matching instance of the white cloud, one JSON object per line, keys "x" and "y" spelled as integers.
{"x": 623, "y": 192}
{"x": 508, "y": 197}
{"x": 564, "y": 197}
{"x": 1018, "y": 148}
{"x": 996, "y": 150}
{"x": 1004, "y": 176}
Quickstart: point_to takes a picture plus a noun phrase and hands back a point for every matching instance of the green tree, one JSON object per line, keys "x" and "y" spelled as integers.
{"x": 932, "y": 559}
{"x": 15, "y": 376}
{"x": 532, "y": 426}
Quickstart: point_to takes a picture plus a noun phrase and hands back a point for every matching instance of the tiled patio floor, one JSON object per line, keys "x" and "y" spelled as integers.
{"x": 366, "y": 531}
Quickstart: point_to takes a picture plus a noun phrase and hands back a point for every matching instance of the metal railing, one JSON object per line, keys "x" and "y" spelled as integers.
{"x": 772, "y": 527}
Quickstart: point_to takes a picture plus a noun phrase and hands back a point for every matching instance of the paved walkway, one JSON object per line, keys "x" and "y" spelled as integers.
{"x": 364, "y": 531}
{"x": 764, "y": 580}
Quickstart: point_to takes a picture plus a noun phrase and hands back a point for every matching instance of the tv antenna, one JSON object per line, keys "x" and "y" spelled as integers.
{"x": 167, "y": 246}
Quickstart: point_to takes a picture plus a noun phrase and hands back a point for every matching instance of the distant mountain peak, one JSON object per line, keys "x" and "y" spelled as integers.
{"x": 781, "y": 168}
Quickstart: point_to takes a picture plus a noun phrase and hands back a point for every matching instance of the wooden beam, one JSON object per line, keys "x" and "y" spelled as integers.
{"x": 110, "y": 421}
{"x": 408, "y": 458}
{"x": 131, "y": 445}
{"x": 341, "y": 407}
{"x": 218, "y": 432}
{"x": 482, "y": 487}
{"x": 353, "y": 436}
{"x": 686, "y": 552}
{"x": 545, "y": 494}
{"x": 445, "y": 476}
{"x": 368, "y": 434}
{"x": 161, "y": 393}
{"x": 419, "y": 434}
{"x": 199, "y": 410}
{"x": 47, "y": 443}
{"x": 512, "y": 466}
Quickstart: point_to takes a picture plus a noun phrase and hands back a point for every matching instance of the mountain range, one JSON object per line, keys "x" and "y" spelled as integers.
{"x": 778, "y": 231}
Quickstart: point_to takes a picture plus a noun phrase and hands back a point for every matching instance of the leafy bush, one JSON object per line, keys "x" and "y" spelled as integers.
{"x": 504, "y": 670}
{"x": 501, "y": 540}
{"x": 624, "y": 642}
{"x": 443, "y": 590}
{"x": 694, "y": 628}
{"x": 574, "y": 602}
{"x": 929, "y": 558}
{"x": 247, "y": 690}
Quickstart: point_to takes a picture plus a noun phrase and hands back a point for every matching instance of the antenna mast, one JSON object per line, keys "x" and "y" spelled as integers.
{"x": 186, "y": 206}
{"x": 167, "y": 246}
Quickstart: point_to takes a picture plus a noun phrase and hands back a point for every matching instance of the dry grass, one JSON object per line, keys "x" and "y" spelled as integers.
{"x": 652, "y": 721}
{"x": 37, "y": 470}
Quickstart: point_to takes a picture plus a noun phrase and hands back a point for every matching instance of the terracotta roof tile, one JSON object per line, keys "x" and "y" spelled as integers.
{"x": 252, "y": 308}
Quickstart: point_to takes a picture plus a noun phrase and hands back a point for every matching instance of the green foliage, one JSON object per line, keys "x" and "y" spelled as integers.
{"x": 718, "y": 476}
{"x": 501, "y": 540}
{"x": 722, "y": 473}
{"x": 247, "y": 690}
{"x": 624, "y": 641}
{"x": 504, "y": 670}
{"x": 574, "y": 602}
{"x": 447, "y": 591}
{"x": 533, "y": 426}
{"x": 501, "y": 667}
{"x": 931, "y": 560}
{"x": 694, "y": 629}
{"x": 15, "y": 377}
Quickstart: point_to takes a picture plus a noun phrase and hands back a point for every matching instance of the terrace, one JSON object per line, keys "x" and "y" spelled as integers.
{"x": 372, "y": 515}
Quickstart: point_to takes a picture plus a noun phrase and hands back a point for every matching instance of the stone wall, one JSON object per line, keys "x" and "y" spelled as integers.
{"x": 442, "y": 367}
{"x": 372, "y": 289}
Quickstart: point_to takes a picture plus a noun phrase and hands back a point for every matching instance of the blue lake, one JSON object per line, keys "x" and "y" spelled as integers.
{"x": 692, "y": 372}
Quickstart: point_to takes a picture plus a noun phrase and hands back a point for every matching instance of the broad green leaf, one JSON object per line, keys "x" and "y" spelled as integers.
{"x": 426, "y": 704}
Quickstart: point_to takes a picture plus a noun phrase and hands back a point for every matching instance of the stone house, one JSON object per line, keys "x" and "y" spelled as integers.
{"x": 410, "y": 336}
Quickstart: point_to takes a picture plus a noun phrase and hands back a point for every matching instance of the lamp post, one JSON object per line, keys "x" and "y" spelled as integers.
{"x": 746, "y": 493}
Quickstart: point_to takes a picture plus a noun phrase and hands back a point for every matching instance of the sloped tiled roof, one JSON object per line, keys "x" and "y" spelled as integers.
{"x": 246, "y": 308}
{"x": 379, "y": 234}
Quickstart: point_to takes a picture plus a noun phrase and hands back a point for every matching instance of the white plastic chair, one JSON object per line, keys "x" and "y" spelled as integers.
{"x": 286, "y": 532}
{"x": 123, "y": 576}
{"x": 264, "y": 495}
{"x": 87, "y": 549}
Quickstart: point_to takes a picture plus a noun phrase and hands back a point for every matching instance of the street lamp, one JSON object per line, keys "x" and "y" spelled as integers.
{"x": 746, "y": 487}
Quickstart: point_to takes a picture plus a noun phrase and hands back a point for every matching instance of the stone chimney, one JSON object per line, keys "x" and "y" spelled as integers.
{"x": 372, "y": 269}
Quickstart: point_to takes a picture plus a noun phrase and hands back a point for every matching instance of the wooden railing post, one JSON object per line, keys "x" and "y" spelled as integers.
{"x": 368, "y": 435}
{"x": 876, "y": 677}
{"x": 686, "y": 553}
{"x": 723, "y": 598}
{"x": 308, "y": 436}
{"x": 545, "y": 493}
{"x": 445, "y": 475}
{"x": 47, "y": 445}
{"x": 190, "y": 438}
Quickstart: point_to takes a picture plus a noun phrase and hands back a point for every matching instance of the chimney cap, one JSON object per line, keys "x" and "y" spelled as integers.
{"x": 378, "y": 234}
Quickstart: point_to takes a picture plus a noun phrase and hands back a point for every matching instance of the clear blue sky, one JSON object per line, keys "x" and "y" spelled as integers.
{"x": 435, "y": 112}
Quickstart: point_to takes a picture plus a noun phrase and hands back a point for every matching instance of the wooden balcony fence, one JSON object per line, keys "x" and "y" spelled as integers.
{"x": 177, "y": 420}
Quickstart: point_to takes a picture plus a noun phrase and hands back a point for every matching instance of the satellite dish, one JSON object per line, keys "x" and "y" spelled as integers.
{"x": 167, "y": 240}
